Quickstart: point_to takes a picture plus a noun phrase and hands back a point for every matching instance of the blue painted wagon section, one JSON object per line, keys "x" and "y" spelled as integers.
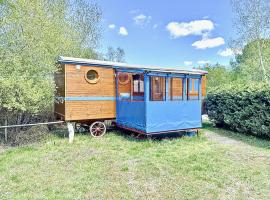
{"x": 167, "y": 115}
{"x": 173, "y": 116}
{"x": 131, "y": 115}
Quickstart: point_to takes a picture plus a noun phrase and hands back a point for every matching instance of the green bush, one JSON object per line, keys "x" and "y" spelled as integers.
{"x": 244, "y": 108}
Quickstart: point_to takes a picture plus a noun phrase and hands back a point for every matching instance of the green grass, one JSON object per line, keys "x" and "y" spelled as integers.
{"x": 248, "y": 139}
{"x": 119, "y": 167}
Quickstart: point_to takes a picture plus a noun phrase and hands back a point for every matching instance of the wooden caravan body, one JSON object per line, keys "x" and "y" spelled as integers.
{"x": 89, "y": 90}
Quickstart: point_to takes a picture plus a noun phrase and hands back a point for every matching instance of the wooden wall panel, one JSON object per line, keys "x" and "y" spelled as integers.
{"x": 155, "y": 83}
{"x": 87, "y": 110}
{"x": 78, "y": 86}
{"x": 59, "y": 78}
{"x": 125, "y": 88}
{"x": 204, "y": 86}
{"x": 176, "y": 87}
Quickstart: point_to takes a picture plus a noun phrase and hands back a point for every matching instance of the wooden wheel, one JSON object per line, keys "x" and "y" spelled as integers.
{"x": 97, "y": 129}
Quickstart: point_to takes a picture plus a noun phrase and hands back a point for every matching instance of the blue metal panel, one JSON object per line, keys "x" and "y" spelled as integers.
{"x": 177, "y": 75}
{"x": 146, "y": 88}
{"x": 157, "y": 74}
{"x": 130, "y": 70}
{"x": 173, "y": 115}
{"x": 138, "y": 98}
{"x": 90, "y": 98}
{"x": 131, "y": 114}
{"x": 193, "y": 76}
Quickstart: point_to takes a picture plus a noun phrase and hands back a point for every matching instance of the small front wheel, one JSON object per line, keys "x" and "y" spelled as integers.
{"x": 97, "y": 129}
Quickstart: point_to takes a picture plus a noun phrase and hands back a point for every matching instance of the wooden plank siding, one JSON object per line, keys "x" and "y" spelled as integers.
{"x": 176, "y": 88}
{"x": 125, "y": 87}
{"x": 204, "y": 86}
{"x": 88, "y": 110}
{"x": 78, "y": 86}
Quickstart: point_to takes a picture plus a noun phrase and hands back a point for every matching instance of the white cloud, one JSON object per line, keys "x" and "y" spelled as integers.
{"x": 226, "y": 53}
{"x": 188, "y": 63}
{"x": 197, "y": 27}
{"x": 112, "y": 26}
{"x": 203, "y": 62}
{"x": 208, "y": 43}
{"x": 142, "y": 19}
{"x": 123, "y": 31}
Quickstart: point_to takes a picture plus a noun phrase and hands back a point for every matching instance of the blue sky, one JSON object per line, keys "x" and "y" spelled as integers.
{"x": 169, "y": 33}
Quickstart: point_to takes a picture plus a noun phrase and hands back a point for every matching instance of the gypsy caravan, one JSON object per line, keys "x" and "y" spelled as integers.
{"x": 144, "y": 99}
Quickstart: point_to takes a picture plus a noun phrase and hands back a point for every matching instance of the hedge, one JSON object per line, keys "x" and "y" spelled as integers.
{"x": 243, "y": 108}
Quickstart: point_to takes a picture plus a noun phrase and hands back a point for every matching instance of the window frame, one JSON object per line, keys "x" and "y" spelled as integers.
{"x": 126, "y": 81}
{"x": 140, "y": 80}
{"x": 163, "y": 88}
{"x": 94, "y": 81}
{"x": 171, "y": 88}
{"x": 193, "y": 93}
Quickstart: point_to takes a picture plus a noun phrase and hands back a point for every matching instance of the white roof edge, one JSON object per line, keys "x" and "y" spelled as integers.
{"x": 126, "y": 65}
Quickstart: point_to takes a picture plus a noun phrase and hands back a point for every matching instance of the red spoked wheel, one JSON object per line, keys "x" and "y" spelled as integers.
{"x": 97, "y": 129}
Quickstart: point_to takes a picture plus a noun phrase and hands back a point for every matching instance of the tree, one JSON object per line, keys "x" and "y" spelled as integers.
{"x": 116, "y": 55}
{"x": 248, "y": 61}
{"x": 218, "y": 75}
{"x": 32, "y": 35}
{"x": 252, "y": 22}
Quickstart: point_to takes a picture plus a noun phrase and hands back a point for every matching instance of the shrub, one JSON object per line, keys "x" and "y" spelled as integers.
{"x": 241, "y": 107}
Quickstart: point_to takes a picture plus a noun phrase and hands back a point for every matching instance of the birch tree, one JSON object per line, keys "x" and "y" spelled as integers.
{"x": 252, "y": 23}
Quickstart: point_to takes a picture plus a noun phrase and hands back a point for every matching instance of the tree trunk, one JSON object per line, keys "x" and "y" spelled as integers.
{"x": 261, "y": 61}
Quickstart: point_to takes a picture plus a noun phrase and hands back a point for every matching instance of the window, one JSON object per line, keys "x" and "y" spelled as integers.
{"x": 131, "y": 87}
{"x": 157, "y": 88}
{"x": 138, "y": 86}
{"x": 176, "y": 89}
{"x": 92, "y": 76}
{"x": 123, "y": 78}
{"x": 193, "y": 89}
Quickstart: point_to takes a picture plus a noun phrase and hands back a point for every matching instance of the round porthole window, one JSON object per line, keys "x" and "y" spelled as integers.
{"x": 92, "y": 76}
{"x": 123, "y": 78}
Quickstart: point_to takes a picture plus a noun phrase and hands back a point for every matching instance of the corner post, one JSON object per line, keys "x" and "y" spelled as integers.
{"x": 70, "y": 132}
{"x": 147, "y": 91}
{"x": 200, "y": 88}
{"x": 116, "y": 90}
{"x": 146, "y": 87}
{"x": 184, "y": 83}
{"x": 167, "y": 88}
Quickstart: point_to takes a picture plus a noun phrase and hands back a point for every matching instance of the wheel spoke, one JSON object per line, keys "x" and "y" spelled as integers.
{"x": 97, "y": 129}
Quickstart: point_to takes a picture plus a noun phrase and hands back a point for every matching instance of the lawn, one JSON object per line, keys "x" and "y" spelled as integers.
{"x": 121, "y": 167}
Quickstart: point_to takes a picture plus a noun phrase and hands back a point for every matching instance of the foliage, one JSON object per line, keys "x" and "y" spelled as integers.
{"x": 116, "y": 55}
{"x": 252, "y": 24}
{"x": 32, "y": 35}
{"x": 119, "y": 167}
{"x": 218, "y": 75}
{"x": 248, "y": 62}
{"x": 241, "y": 107}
